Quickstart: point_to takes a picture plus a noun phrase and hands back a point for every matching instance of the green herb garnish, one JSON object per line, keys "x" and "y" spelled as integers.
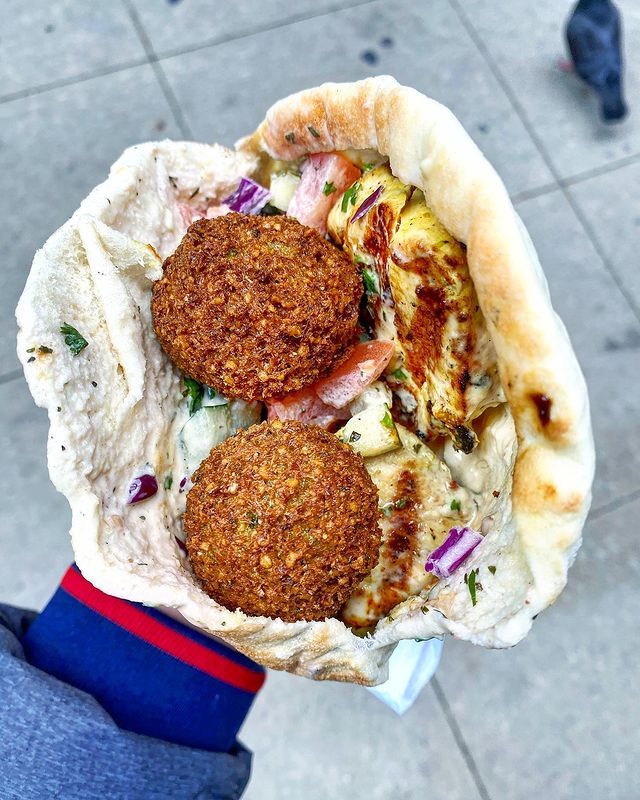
{"x": 254, "y": 519}
{"x": 328, "y": 188}
{"x": 492, "y": 569}
{"x": 44, "y": 349}
{"x": 31, "y": 350}
{"x": 417, "y": 447}
{"x": 168, "y": 482}
{"x": 387, "y": 421}
{"x": 75, "y": 341}
{"x": 370, "y": 281}
{"x": 368, "y": 166}
{"x": 471, "y": 585}
{"x": 290, "y": 137}
{"x": 455, "y": 505}
{"x": 400, "y": 375}
{"x": 387, "y": 509}
{"x": 195, "y": 391}
{"x": 313, "y": 131}
{"x": 400, "y": 503}
{"x": 350, "y": 196}
{"x": 355, "y": 436}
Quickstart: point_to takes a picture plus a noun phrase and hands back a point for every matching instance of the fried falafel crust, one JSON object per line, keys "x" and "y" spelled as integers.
{"x": 256, "y": 307}
{"x": 282, "y": 521}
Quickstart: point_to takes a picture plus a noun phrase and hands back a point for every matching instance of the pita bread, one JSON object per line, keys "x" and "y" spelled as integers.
{"x": 112, "y": 408}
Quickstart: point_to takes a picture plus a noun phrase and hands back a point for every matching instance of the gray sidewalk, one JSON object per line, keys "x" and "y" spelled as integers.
{"x": 557, "y": 715}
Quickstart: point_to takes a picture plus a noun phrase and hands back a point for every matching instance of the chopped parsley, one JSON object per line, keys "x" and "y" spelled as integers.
{"x": 254, "y": 519}
{"x": 194, "y": 193}
{"x": 417, "y": 447}
{"x": 168, "y": 482}
{"x": 328, "y": 188}
{"x": 400, "y": 375}
{"x": 350, "y": 197}
{"x": 455, "y": 505}
{"x": 387, "y": 421}
{"x": 74, "y": 340}
{"x": 44, "y": 349}
{"x": 355, "y": 436}
{"x": 369, "y": 165}
{"x": 387, "y": 509}
{"x": 400, "y": 503}
{"x": 195, "y": 391}
{"x": 173, "y": 181}
{"x": 313, "y": 131}
{"x": 471, "y": 585}
{"x": 492, "y": 569}
{"x": 370, "y": 281}
{"x": 290, "y": 137}
{"x": 31, "y": 350}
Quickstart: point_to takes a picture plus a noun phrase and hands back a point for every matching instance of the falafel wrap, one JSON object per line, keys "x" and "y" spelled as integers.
{"x": 311, "y": 393}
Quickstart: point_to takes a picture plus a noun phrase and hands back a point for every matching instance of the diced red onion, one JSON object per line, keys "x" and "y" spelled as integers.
{"x": 368, "y": 204}
{"x": 183, "y": 483}
{"x": 141, "y": 488}
{"x": 181, "y": 544}
{"x": 248, "y": 198}
{"x": 455, "y": 549}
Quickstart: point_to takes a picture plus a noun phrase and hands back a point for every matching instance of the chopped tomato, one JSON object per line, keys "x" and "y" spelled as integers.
{"x": 325, "y": 176}
{"x": 305, "y": 406}
{"x": 365, "y": 365}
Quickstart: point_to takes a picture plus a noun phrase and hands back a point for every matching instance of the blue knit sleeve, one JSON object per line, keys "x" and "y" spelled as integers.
{"x": 107, "y": 699}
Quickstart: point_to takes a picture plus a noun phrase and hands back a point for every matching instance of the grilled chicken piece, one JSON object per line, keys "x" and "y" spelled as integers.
{"x": 420, "y": 504}
{"x": 421, "y": 297}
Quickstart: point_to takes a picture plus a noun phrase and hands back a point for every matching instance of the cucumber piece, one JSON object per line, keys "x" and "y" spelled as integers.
{"x": 243, "y": 414}
{"x": 372, "y": 432}
{"x": 212, "y": 398}
{"x": 207, "y": 428}
{"x": 282, "y": 188}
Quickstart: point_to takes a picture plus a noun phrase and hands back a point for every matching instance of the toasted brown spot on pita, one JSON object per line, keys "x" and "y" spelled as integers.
{"x": 543, "y": 405}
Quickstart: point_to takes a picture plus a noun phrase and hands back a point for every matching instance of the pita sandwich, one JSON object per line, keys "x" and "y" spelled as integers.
{"x": 490, "y": 409}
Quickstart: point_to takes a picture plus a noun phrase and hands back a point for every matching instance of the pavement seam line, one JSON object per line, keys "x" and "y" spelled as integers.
{"x": 614, "y": 505}
{"x": 603, "y": 169}
{"x": 139, "y": 62}
{"x": 10, "y": 376}
{"x": 459, "y": 739}
{"x": 518, "y": 108}
{"x": 60, "y": 83}
{"x": 530, "y": 194}
{"x": 214, "y": 41}
{"x": 152, "y": 58}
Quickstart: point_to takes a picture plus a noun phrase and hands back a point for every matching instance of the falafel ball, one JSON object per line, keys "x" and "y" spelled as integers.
{"x": 256, "y": 307}
{"x": 282, "y": 521}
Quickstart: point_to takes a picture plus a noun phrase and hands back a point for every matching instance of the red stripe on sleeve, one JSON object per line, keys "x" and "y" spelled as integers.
{"x": 164, "y": 638}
